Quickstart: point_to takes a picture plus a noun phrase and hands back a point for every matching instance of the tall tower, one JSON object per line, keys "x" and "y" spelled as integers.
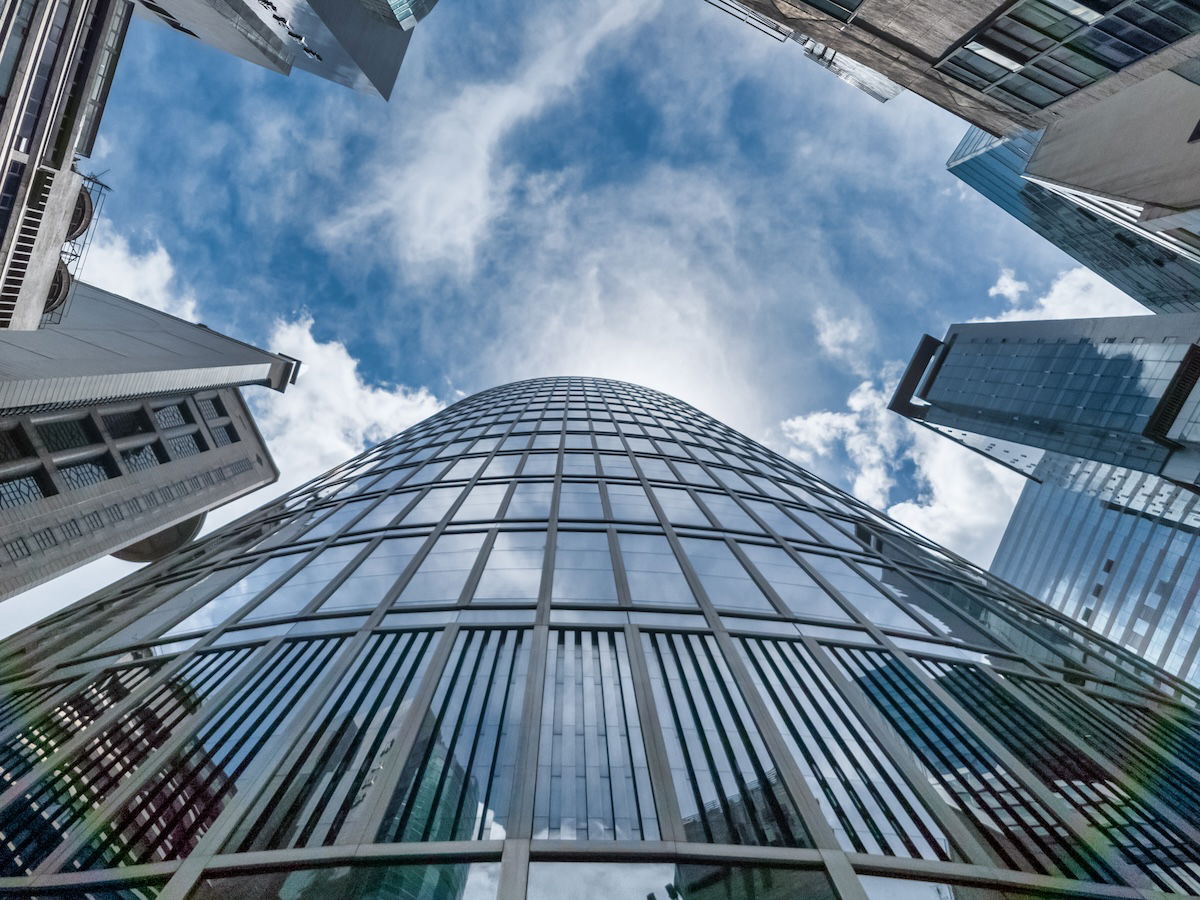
{"x": 574, "y": 638}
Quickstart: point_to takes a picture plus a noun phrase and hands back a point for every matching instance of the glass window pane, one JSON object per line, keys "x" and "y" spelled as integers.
{"x": 666, "y": 881}
{"x": 578, "y": 500}
{"x": 443, "y": 572}
{"x": 861, "y": 594}
{"x": 445, "y": 881}
{"x": 298, "y": 591}
{"x": 375, "y": 575}
{"x": 235, "y": 596}
{"x": 725, "y": 579}
{"x": 430, "y": 509}
{"x": 593, "y": 781}
{"x": 802, "y": 595}
{"x": 513, "y": 571}
{"x": 530, "y": 500}
{"x": 583, "y": 568}
{"x": 629, "y": 503}
{"x": 653, "y": 572}
{"x": 482, "y": 504}
{"x": 680, "y": 508}
{"x": 457, "y": 782}
{"x": 729, "y": 513}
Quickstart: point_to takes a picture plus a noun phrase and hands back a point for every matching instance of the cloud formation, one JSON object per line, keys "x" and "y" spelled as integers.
{"x": 146, "y": 276}
{"x": 954, "y": 496}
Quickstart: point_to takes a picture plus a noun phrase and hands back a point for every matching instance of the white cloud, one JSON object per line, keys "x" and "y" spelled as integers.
{"x": 1075, "y": 294}
{"x": 331, "y": 413}
{"x": 147, "y": 277}
{"x": 1008, "y": 287}
{"x": 846, "y": 338}
{"x": 961, "y": 500}
{"x": 871, "y": 437}
{"x": 438, "y": 199}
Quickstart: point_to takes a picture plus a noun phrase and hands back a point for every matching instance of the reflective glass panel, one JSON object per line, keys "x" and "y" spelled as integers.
{"x": 724, "y": 578}
{"x": 583, "y": 568}
{"x": 653, "y": 572}
{"x": 443, "y": 573}
{"x": 513, "y": 571}
{"x": 375, "y": 575}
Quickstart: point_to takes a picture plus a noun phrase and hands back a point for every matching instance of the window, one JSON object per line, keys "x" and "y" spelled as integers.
{"x": 68, "y": 435}
{"x": 725, "y": 580}
{"x": 653, "y": 573}
{"x": 375, "y": 575}
{"x": 513, "y": 571}
{"x": 443, "y": 573}
{"x": 583, "y": 568}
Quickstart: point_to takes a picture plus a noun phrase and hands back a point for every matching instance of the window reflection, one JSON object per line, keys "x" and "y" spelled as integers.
{"x": 299, "y": 590}
{"x": 432, "y": 506}
{"x": 375, "y": 575}
{"x": 530, "y": 500}
{"x": 725, "y": 580}
{"x": 583, "y": 568}
{"x": 802, "y": 595}
{"x": 457, "y": 782}
{"x": 653, "y": 572}
{"x": 454, "y": 881}
{"x": 593, "y": 781}
{"x": 629, "y": 503}
{"x": 680, "y": 508}
{"x": 443, "y": 573}
{"x": 861, "y": 594}
{"x": 482, "y": 504}
{"x": 665, "y": 881}
{"x": 729, "y": 513}
{"x": 233, "y": 598}
{"x": 578, "y": 500}
{"x": 513, "y": 571}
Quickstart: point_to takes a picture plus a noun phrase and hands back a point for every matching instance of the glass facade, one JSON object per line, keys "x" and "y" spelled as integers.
{"x": 1120, "y": 391}
{"x": 1116, "y": 550}
{"x": 1039, "y": 51}
{"x": 573, "y": 637}
{"x": 1154, "y": 268}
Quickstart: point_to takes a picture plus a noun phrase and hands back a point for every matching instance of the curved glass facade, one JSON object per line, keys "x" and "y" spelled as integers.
{"x": 574, "y": 638}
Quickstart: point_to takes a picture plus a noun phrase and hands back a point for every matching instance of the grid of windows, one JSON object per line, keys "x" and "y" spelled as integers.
{"x": 571, "y": 617}
{"x": 1040, "y": 51}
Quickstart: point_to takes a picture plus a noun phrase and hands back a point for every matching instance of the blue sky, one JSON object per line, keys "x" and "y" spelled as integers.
{"x": 641, "y": 189}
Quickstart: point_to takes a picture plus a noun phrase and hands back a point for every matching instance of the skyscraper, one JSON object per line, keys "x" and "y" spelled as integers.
{"x": 57, "y": 59}
{"x": 120, "y": 427}
{"x": 1114, "y": 390}
{"x": 1158, "y": 269}
{"x": 1115, "y": 549}
{"x": 358, "y": 43}
{"x": 1006, "y": 66}
{"x": 573, "y": 637}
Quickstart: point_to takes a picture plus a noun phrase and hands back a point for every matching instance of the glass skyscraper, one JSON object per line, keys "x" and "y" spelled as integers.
{"x": 1118, "y": 390}
{"x": 574, "y": 638}
{"x": 1157, "y": 269}
{"x": 1116, "y": 549}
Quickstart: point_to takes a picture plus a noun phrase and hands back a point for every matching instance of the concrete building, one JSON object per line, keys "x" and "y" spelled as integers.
{"x": 1002, "y": 65}
{"x": 1159, "y": 269}
{"x": 1120, "y": 391}
{"x": 120, "y": 428}
{"x": 572, "y": 637}
{"x": 57, "y": 60}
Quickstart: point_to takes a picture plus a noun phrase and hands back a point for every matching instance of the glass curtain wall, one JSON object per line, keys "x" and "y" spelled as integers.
{"x": 574, "y": 638}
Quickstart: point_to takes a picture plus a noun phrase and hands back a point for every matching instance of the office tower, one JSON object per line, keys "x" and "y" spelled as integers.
{"x": 1114, "y": 549}
{"x": 57, "y": 59}
{"x": 119, "y": 428}
{"x": 357, "y": 43}
{"x": 574, "y": 638}
{"x": 1002, "y": 65}
{"x": 1115, "y": 390}
{"x": 1160, "y": 270}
